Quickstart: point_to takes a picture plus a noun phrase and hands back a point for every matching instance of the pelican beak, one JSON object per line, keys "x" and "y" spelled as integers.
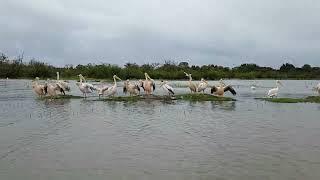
{"x": 280, "y": 83}
{"x": 118, "y": 78}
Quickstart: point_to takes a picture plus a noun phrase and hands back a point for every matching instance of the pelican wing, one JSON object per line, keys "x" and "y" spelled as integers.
{"x": 154, "y": 86}
{"x": 60, "y": 88}
{"x": 124, "y": 89}
{"x": 142, "y": 85}
{"x": 137, "y": 87}
{"x": 214, "y": 89}
{"x": 89, "y": 86}
{"x": 229, "y": 88}
{"x": 170, "y": 89}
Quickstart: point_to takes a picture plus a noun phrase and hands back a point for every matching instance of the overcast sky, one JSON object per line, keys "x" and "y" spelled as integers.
{"x": 223, "y": 32}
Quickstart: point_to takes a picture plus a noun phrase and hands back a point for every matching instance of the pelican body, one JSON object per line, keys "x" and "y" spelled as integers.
{"x": 111, "y": 91}
{"x": 84, "y": 87}
{"x": 167, "y": 88}
{"x": 132, "y": 89}
{"x": 317, "y": 88}
{"x": 193, "y": 87}
{"x": 39, "y": 89}
{"x": 202, "y": 85}
{"x": 221, "y": 89}
{"x": 274, "y": 91}
{"x": 148, "y": 84}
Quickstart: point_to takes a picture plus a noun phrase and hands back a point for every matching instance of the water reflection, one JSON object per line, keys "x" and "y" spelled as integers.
{"x": 225, "y": 105}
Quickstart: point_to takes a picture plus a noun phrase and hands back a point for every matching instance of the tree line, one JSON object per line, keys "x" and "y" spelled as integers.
{"x": 17, "y": 68}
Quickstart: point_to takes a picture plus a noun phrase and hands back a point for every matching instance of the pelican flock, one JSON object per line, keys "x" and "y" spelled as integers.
{"x": 274, "y": 91}
{"x": 51, "y": 88}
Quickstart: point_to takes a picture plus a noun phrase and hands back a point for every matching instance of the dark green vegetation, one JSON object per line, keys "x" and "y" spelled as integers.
{"x": 61, "y": 97}
{"x": 136, "y": 98}
{"x": 17, "y": 68}
{"x": 186, "y": 97}
{"x": 309, "y": 99}
{"x": 203, "y": 97}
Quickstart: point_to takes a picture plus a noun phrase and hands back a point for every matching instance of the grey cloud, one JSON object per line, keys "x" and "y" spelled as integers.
{"x": 227, "y": 32}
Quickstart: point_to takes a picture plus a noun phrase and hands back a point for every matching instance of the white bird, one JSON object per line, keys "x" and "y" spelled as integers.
{"x": 111, "y": 91}
{"x": 38, "y": 88}
{"x": 220, "y": 89}
{"x": 52, "y": 88}
{"x": 148, "y": 84}
{"x": 317, "y": 88}
{"x": 132, "y": 88}
{"x": 193, "y": 87}
{"x": 168, "y": 89}
{"x": 274, "y": 91}
{"x": 202, "y": 85}
{"x": 84, "y": 87}
{"x": 101, "y": 89}
{"x": 63, "y": 85}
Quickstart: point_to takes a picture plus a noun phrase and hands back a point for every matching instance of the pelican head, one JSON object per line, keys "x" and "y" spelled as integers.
{"x": 37, "y": 78}
{"x": 163, "y": 83}
{"x": 279, "y": 82}
{"x": 116, "y": 77}
{"x": 188, "y": 75}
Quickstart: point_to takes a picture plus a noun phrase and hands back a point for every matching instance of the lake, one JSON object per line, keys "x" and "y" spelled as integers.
{"x": 85, "y": 139}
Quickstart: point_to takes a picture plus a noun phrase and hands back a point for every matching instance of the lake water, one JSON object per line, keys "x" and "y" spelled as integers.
{"x": 84, "y": 139}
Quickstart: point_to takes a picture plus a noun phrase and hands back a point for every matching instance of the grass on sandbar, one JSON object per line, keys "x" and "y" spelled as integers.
{"x": 309, "y": 99}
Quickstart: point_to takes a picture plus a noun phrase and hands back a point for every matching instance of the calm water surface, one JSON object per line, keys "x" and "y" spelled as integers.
{"x": 84, "y": 139}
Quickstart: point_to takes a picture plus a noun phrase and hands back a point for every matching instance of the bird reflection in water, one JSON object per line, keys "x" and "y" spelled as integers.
{"x": 224, "y": 105}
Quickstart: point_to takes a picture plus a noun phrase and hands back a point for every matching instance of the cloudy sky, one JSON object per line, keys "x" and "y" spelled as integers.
{"x": 223, "y": 32}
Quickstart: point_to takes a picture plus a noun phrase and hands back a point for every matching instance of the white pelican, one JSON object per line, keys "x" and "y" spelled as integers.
{"x": 85, "y": 87}
{"x": 53, "y": 87}
{"x": 202, "y": 85}
{"x": 101, "y": 89}
{"x": 148, "y": 84}
{"x": 317, "y": 88}
{"x": 253, "y": 86}
{"x": 63, "y": 85}
{"x": 192, "y": 86}
{"x": 274, "y": 91}
{"x": 221, "y": 89}
{"x": 167, "y": 88}
{"x": 133, "y": 89}
{"x": 111, "y": 91}
{"x": 39, "y": 89}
